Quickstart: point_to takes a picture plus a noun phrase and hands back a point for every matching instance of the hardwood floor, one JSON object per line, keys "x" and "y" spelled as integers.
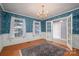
{"x": 59, "y": 44}
{"x": 15, "y": 50}
{"x": 74, "y": 52}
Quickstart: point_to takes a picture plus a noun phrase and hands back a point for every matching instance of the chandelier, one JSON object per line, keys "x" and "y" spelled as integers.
{"x": 42, "y": 14}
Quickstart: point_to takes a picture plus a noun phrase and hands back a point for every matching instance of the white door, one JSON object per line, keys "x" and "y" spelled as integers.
{"x": 56, "y": 30}
{"x": 49, "y": 30}
{"x": 69, "y": 31}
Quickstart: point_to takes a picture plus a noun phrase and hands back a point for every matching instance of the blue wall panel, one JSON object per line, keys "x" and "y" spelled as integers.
{"x": 29, "y": 25}
{"x": 76, "y": 23}
{"x": 1, "y": 20}
{"x": 43, "y": 26}
{"x": 5, "y": 23}
{"x": 75, "y": 14}
{"x": 7, "y": 20}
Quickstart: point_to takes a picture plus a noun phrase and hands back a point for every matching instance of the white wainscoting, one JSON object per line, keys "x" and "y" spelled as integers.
{"x": 7, "y": 39}
{"x": 49, "y": 36}
{"x": 43, "y": 35}
{"x": 75, "y": 36}
{"x": 75, "y": 40}
{"x": 4, "y": 40}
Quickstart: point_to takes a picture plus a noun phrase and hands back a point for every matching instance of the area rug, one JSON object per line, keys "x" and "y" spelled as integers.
{"x": 43, "y": 50}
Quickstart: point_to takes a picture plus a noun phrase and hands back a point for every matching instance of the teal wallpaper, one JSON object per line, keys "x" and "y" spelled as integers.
{"x": 43, "y": 26}
{"x": 76, "y": 23}
{"x": 6, "y": 20}
{"x": 0, "y": 19}
{"x": 75, "y": 17}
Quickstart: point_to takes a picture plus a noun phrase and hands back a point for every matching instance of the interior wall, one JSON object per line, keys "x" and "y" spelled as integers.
{"x": 7, "y": 20}
{"x": 0, "y": 18}
{"x": 75, "y": 18}
{"x": 43, "y": 26}
{"x": 29, "y": 21}
{"x": 76, "y": 22}
{"x": 75, "y": 26}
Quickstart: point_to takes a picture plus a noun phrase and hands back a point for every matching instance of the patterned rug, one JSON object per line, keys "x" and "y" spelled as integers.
{"x": 43, "y": 50}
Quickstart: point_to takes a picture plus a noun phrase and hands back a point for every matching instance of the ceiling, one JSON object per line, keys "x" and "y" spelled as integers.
{"x": 31, "y": 9}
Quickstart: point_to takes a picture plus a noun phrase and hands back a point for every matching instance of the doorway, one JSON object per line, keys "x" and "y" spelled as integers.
{"x": 56, "y": 29}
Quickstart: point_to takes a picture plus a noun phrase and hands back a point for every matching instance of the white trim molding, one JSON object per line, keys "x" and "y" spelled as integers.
{"x": 49, "y": 35}
{"x": 2, "y": 7}
{"x": 12, "y": 25}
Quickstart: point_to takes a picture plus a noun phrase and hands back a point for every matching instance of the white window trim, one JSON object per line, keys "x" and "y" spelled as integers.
{"x": 70, "y": 46}
{"x": 11, "y": 26}
{"x": 34, "y": 27}
{"x": 67, "y": 27}
{"x": 51, "y": 29}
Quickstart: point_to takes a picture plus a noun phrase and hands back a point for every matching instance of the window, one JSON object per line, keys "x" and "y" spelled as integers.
{"x": 49, "y": 30}
{"x": 17, "y": 27}
{"x": 36, "y": 27}
{"x": 48, "y": 26}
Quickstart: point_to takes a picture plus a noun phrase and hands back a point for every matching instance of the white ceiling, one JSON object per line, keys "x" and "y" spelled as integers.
{"x": 31, "y": 9}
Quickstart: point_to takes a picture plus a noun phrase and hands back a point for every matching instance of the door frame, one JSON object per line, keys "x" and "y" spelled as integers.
{"x": 70, "y": 46}
{"x": 51, "y": 29}
{"x": 59, "y": 19}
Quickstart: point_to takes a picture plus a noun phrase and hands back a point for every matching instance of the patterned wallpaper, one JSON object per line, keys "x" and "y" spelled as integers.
{"x": 0, "y": 18}
{"x": 76, "y": 23}
{"x": 75, "y": 18}
{"x": 6, "y": 20}
{"x": 29, "y": 21}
